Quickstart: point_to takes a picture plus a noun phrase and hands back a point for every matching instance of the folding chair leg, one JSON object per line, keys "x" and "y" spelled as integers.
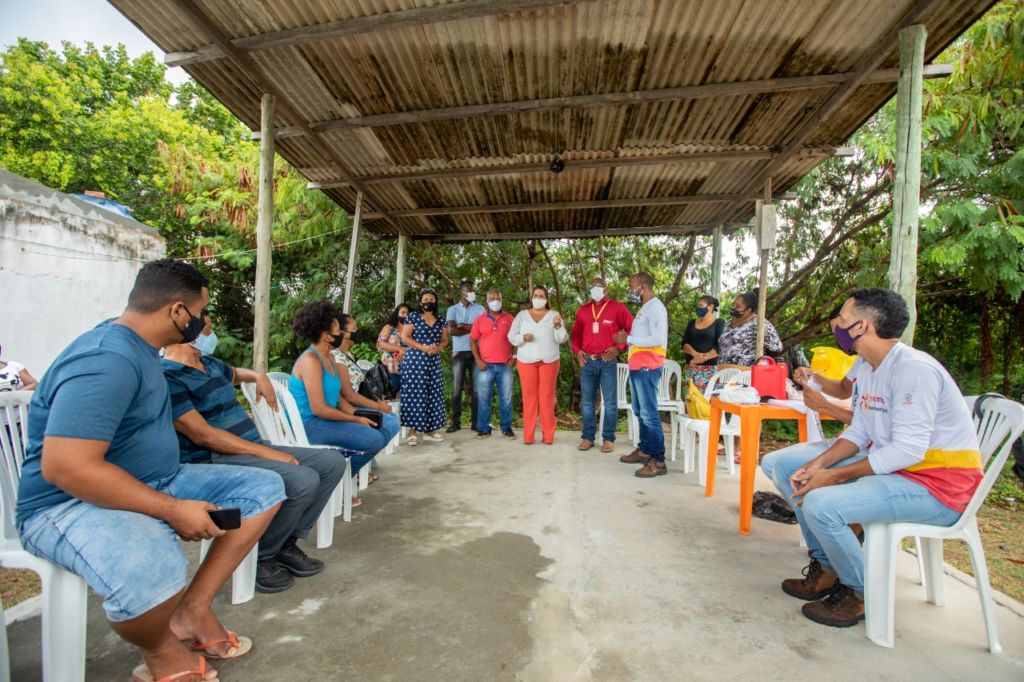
{"x": 674, "y": 428}
{"x": 880, "y": 548}
{"x": 64, "y": 621}
{"x": 243, "y": 580}
{"x": 930, "y": 554}
{"x": 988, "y": 608}
{"x": 347, "y": 492}
{"x": 921, "y": 571}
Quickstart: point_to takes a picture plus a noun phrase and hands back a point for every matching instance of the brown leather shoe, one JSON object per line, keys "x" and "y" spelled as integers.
{"x": 651, "y": 469}
{"x": 816, "y": 583}
{"x": 635, "y": 457}
{"x": 608, "y": 446}
{"x": 841, "y": 609}
{"x": 585, "y": 445}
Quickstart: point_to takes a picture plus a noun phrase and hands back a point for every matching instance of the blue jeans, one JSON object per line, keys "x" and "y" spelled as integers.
{"x": 132, "y": 560}
{"x": 592, "y": 375}
{"x": 644, "y": 385}
{"x": 497, "y": 375}
{"x": 826, "y": 512}
{"x": 366, "y": 439}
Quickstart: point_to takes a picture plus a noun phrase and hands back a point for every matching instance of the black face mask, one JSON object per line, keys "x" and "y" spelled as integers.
{"x": 428, "y": 306}
{"x": 401, "y": 320}
{"x": 336, "y": 340}
{"x": 192, "y": 329}
{"x": 357, "y": 336}
{"x": 736, "y": 312}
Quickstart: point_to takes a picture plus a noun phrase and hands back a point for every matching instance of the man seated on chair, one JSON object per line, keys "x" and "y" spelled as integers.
{"x": 213, "y": 427}
{"x": 104, "y": 495}
{"x": 910, "y": 455}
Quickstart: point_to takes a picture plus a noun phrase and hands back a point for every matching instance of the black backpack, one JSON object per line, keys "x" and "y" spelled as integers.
{"x": 377, "y": 384}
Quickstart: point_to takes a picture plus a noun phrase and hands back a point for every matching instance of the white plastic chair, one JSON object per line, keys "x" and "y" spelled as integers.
{"x": 694, "y": 432}
{"x": 64, "y": 593}
{"x": 243, "y": 579}
{"x": 281, "y": 379}
{"x": 622, "y": 401}
{"x": 1002, "y": 422}
{"x": 276, "y": 426}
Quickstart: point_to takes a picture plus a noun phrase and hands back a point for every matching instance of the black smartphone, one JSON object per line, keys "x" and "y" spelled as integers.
{"x": 226, "y": 519}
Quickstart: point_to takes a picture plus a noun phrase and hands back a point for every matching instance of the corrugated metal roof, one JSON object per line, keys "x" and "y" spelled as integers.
{"x": 337, "y": 62}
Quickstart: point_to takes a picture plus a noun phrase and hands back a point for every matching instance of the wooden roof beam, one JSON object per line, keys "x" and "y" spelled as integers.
{"x": 570, "y": 165}
{"x": 417, "y": 16}
{"x": 570, "y": 234}
{"x": 569, "y": 205}
{"x": 688, "y": 92}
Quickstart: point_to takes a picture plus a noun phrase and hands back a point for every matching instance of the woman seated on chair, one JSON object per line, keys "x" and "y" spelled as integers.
{"x": 352, "y": 375}
{"x": 316, "y": 386}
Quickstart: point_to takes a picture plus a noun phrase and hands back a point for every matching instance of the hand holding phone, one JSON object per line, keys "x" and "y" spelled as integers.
{"x": 226, "y": 519}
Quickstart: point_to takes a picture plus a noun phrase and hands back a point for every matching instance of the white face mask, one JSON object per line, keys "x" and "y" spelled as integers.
{"x": 597, "y": 293}
{"x": 470, "y": 296}
{"x": 539, "y": 303}
{"x": 494, "y": 305}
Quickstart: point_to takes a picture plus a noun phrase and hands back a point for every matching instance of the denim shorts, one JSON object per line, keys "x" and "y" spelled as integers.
{"x": 132, "y": 560}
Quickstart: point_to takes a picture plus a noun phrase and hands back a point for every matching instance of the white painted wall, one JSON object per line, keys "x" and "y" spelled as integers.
{"x": 65, "y": 266}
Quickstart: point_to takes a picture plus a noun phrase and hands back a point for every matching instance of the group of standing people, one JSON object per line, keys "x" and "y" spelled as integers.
{"x": 489, "y": 344}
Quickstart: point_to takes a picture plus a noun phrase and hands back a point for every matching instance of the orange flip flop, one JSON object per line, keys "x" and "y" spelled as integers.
{"x": 240, "y": 646}
{"x": 142, "y": 674}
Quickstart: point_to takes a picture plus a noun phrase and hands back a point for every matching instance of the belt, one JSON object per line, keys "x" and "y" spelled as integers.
{"x": 594, "y": 357}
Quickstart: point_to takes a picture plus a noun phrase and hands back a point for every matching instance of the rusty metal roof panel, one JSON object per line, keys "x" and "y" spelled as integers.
{"x": 433, "y": 55}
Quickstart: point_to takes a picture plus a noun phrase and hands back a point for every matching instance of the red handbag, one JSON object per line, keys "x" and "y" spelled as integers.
{"x": 769, "y": 378}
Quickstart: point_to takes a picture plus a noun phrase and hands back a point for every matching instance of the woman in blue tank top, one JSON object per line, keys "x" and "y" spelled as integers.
{"x": 316, "y": 387}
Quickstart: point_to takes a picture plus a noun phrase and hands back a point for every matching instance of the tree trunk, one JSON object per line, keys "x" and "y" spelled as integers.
{"x": 561, "y": 310}
{"x": 988, "y": 358}
{"x": 600, "y": 256}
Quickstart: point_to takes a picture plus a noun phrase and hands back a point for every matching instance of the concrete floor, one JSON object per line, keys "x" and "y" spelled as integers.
{"x": 493, "y": 560}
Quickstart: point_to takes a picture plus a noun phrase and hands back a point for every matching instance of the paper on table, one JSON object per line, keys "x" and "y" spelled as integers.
{"x": 814, "y": 433}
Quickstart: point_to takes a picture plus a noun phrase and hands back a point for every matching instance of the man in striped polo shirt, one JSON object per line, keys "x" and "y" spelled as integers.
{"x": 910, "y": 455}
{"x": 213, "y": 427}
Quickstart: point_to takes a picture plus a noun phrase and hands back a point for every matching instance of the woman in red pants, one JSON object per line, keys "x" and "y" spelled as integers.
{"x": 537, "y": 333}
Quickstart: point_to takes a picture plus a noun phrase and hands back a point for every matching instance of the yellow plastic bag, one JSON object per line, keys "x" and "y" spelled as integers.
{"x": 697, "y": 406}
{"x": 831, "y": 363}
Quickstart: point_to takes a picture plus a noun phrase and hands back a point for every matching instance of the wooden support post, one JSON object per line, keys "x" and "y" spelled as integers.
{"x": 762, "y": 285}
{"x": 906, "y": 192}
{"x": 264, "y": 237}
{"x": 353, "y": 255}
{"x": 716, "y": 262}
{"x": 403, "y": 243}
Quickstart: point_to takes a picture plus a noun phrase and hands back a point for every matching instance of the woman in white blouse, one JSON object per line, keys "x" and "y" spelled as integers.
{"x": 536, "y": 333}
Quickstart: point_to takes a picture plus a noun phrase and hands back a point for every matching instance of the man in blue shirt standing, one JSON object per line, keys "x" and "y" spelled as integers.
{"x": 213, "y": 427}
{"x": 461, "y": 317}
{"x": 104, "y": 495}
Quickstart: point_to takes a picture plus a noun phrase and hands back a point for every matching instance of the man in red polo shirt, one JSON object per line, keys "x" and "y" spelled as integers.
{"x": 593, "y": 344}
{"x": 493, "y": 354}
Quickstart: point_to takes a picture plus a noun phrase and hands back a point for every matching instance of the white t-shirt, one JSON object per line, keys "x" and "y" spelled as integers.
{"x": 911, "y": 417}
{"x": 10, "y": 376}
{"x": 546, "y": 339}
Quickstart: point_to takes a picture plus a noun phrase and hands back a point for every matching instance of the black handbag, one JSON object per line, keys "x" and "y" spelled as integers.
{"x": 376, "y": 383}
{"x": 372, "y": 415}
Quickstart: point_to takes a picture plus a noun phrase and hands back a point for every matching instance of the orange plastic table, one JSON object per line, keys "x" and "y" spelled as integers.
{"x": 751, "y": 417}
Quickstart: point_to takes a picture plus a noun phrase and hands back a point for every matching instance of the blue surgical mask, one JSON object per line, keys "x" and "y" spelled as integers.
{"x": 701, "y": 310}
{"x": 633, "y": 296}
{"x": 206, "y": 344}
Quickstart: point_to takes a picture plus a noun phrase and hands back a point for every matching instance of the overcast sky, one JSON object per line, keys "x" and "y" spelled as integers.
{"x": 77, "y": 21}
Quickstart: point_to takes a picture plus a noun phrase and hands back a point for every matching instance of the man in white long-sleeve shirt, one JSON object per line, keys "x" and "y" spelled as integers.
{"x": 648, "y": 344}
{"x": 910, "y": 455}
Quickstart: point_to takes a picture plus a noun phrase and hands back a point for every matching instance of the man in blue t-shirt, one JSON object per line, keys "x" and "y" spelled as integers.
{"x": 460, "y": 318}
{"x": 103, "y": 493}
{"x": 213, "y": 427}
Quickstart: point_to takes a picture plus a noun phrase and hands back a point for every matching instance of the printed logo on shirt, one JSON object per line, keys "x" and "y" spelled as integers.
{"x": 908, "y": 398}
{"x": 873, "y": 403}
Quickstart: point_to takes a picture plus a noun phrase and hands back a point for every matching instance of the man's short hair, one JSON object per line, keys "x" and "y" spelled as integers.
{"x": 494, "y": 291}
{"x": 645, "y": 279}
{"x": 463, "y": 283}
{"x": 165, "y": 281}
{"x": 835, "y": 312}
{"x": 885, "y": 308}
